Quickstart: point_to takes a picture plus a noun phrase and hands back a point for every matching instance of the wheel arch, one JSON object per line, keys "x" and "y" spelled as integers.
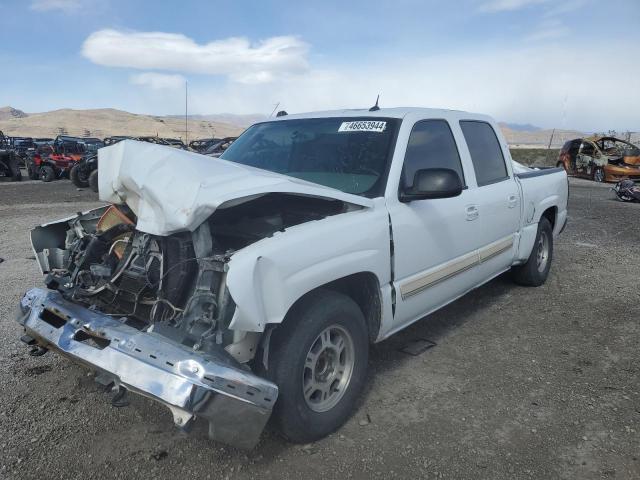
{"x": 551, "y": 214}
{"x": 361, "y": 287}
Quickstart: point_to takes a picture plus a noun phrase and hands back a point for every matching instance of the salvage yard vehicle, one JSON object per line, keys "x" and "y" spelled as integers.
{"x": 251, "y": 286}
{"x": 603, "y": 159}
{"x": 23, "y": 147}
{"x": 54, "y": 161}
{"x": 80, "y": 173}
{"x": 91, "y": 144}
{"x": 217, "y": 148}
{"x": 115, "y": 139}
{"x": 9, "y": 161}
{"x": 201, "y": 144}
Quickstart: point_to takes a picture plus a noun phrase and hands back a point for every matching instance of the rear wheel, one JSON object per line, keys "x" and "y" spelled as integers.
{"x": 79, "y": 176}
{"x": 535, "y": 272}
{"x": 9, "y": 167}
{"x": 93, "y": 180}
{"x": 318, "y": 358}
{"x": 47, "y": 174}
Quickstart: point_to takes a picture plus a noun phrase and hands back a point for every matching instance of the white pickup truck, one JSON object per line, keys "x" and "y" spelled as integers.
{"x": 251, "y": 286}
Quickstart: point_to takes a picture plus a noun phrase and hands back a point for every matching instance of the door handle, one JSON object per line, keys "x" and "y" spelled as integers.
{"x": 472, "y": 212}
{"x": 513, "y": 201}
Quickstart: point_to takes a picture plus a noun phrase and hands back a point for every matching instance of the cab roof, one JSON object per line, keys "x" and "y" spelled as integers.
{"x": 395, "y": 112}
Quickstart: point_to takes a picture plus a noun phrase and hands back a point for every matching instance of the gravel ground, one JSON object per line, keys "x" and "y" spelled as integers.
{"x": 523, "y": 383}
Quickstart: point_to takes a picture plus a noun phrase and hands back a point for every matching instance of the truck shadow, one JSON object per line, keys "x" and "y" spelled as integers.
{"x": 436, "y": 327}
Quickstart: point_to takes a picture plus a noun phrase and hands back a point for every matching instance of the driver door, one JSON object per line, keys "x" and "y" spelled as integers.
{"x": 434, "y": 239}
{"x": 584, "y": 159}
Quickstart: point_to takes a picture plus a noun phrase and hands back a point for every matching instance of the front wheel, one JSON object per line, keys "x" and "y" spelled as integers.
{"x": 535, "y": 272}
{"x": 47, "y": 174}
{"x": 318, "y": 358}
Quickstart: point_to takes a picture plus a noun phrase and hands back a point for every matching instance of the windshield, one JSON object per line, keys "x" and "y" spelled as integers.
{"x": 349, "y": 154}
{"x": 612, "y": 146}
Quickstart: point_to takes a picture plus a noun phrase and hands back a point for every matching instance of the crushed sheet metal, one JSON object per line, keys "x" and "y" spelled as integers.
{"x": 175, "y": 190}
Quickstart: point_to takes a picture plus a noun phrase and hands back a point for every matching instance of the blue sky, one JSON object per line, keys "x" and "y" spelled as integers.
{"x": 565, "y": 64}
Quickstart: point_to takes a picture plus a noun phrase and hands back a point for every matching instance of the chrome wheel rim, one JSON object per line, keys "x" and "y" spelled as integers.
{"x": 328, "y": 368}
{"x": 542, "y": 253}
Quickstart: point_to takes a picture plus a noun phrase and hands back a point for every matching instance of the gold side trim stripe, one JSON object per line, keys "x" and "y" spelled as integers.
{"x": 497, "y": 248}
{"x": 441, "y": 273}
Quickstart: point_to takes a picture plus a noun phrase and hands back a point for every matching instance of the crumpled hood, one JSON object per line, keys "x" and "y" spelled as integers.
{"x": 173, "y": 190}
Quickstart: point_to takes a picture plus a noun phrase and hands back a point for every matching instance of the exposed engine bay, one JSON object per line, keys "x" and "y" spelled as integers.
{"x": 172, "y": 285}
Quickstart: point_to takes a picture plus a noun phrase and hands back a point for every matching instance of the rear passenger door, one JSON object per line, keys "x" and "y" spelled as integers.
{"x": 496, "y": 198}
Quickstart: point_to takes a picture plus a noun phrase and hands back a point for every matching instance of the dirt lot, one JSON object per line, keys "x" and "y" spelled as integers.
{"x": 523, "y": 383}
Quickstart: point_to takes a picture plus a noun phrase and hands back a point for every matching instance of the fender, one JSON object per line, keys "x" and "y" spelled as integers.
{"x": 268, "y": 277}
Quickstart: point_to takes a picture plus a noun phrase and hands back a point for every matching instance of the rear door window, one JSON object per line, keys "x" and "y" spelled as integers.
{"x": 486, "y": 154}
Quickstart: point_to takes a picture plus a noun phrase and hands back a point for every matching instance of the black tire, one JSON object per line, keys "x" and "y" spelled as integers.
{"x": 47, "y": 174}
{"x": 10, "y": 166}
{"x": 79, "y": 176}
{"x": 532, "y": 274}
{"x": 292, "y": 343}
{"x": 93, "y": 181}
{"x": 33, "y": 173}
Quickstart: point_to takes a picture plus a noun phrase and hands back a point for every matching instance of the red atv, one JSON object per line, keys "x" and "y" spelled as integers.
{"x": 54, "y": 161}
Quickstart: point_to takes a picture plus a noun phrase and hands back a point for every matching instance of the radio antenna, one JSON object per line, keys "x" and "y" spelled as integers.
{"x": 186, "y": 99}
{"x": 375, "y": 108}
{"x": 274, "y": 109}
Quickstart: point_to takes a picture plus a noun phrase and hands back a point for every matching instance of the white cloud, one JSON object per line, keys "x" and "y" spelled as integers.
{"x": 508, "y": 5}
{"x": 562, "y": 8}
{"x": 237, "y": 58}
{"x": 158, "y": 81}
{"x": 543, "y": 85}
{"x": 48, "y": 5}
{"x": 549, "y": 29}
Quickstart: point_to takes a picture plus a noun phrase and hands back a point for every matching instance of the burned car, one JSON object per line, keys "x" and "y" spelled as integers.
{"x": 603, "y": 159}
{"x": 251, "y": 286}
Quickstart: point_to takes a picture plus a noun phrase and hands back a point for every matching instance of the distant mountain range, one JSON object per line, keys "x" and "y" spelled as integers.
{"x": 231, "y": 118}
{"x": 106, "y": 122}
{"x": 521, "y": 127}
{"x": 7, "y": 113}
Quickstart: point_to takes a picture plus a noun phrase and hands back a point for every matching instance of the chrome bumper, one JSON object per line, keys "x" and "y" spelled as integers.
{"x": 191, "y": 384}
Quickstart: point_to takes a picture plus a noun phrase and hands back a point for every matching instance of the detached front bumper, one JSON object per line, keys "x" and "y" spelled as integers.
{"x": 191, "y": 384}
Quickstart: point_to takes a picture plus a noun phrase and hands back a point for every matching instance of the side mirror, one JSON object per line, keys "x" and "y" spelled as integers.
{"x": 433, "y": 183}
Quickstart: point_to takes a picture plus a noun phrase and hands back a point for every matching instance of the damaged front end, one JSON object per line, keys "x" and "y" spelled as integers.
{"x": 209, "y": 385}
{"x": 138, "y": 289}
{"x": 151, "y": 314}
